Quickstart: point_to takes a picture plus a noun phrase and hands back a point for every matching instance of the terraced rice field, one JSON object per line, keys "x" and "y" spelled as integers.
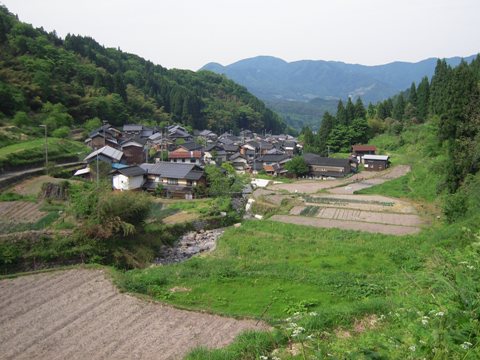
{"x": 79, "y": 314}
{"x": 20, "y": 212}
{"x": 338, "y": 207}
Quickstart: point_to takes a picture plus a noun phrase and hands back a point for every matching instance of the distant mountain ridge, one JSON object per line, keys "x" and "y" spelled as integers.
{"x": 272, "y": 78}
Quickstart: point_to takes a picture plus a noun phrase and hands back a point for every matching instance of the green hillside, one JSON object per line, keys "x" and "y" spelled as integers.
{"x": 85, "y": 80}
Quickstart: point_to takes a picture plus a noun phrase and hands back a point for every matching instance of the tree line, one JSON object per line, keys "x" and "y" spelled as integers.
{"x": 39, "y": 70}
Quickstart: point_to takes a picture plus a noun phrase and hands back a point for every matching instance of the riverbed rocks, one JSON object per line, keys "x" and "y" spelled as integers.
{"x": 188, "y": 245}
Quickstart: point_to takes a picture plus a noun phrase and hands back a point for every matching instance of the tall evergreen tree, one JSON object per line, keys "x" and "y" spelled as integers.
{"x": 439, "y": 88}
{"x": 341, "y": 113}
{"x": 371, "y": 111}
{"x": 360, "y": 112}
{"x": 350, "y": 111}
{"x": 328, "y": 123}
{"x": 399, "y": 107}
{"x": 412, "y": 95}
{"x": 423, "y": 96}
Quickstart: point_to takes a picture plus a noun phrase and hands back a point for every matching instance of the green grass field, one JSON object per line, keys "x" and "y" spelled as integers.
{"x": 287, "y": 268}
{"x": 33, "y": 151}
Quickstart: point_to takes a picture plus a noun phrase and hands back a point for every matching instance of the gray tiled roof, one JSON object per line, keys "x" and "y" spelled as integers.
{"x": 132, "y": 127}
{"x": 273, "y": 157}
{"x": 314, "y": 159}
{"x": 174, "y": 170}
{"x": 130, "y": 171}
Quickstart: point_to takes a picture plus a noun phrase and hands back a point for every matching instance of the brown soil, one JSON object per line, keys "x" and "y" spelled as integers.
{"x": 344, "y": 186}
{"x": 20, "y": 212}
{"x": 34, "y": 185}
{"x": 180, "y": 218}
{"x": 347, "y": 225}
{"x": 79, "y": 314}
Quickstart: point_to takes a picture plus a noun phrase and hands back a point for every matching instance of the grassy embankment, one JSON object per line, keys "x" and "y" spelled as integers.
{"x": 347, "y": 294}
{"x": 32, "y": 152}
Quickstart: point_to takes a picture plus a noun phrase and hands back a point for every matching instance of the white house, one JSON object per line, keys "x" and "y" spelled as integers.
{"x": 128, "y": 178}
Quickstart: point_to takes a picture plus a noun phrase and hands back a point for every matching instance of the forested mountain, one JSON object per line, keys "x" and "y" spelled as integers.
{"x": 449, "y": 103}
{"x": 299, "y": 114}
{"x": 74, "y": 79}
{"x": 272, "y": 78}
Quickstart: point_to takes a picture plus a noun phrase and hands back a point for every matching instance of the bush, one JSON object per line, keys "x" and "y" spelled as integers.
{"x": 455, "y": 206}
{"x": 61, "y": 132}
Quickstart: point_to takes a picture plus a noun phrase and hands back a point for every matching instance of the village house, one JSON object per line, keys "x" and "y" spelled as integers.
{"x": 187, "y": 153}
{"x": 327, "y": 167}
{"x": 128, "y": 178}
{"x": 106, "y": 154}
{"x": 376, "y": 162}
{"x": 134, "y": 151}
{"x": 360, "y": 150}
{"x": 239, "y": 162}
{"x": 175, "y": 132}
{"x": 176, "y": 180}
{"x": 132, "y": 129}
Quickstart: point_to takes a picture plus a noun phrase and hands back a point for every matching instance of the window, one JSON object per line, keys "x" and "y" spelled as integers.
{"x": 172, "y": 181}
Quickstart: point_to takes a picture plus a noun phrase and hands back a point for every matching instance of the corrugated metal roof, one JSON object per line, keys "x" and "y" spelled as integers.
{"x": 364, "y": 148}
{"x": 376, "y": 157}
{"x": 106, "y": 151}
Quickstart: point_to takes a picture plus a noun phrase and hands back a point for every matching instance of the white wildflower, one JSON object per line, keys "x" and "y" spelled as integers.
{"x": 440, "y": 313}
{"x": 424, "y": 322}
{"x": 263, "y": 357}
{"x": 313, "y": 313}
{"x": 412, "y": 348}
{"x": 310, "y": 337}
{"x": 466, "y": 345}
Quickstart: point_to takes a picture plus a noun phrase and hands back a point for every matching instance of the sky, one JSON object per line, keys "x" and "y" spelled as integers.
{"x": 188, "y": 34}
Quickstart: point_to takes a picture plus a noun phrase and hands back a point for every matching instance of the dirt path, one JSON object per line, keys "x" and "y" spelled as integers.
{"x": 352, "y": 183}
{"x": 79, "y": 314}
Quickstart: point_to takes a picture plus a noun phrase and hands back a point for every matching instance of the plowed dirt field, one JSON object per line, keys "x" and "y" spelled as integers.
{"x": 80, "y": 314}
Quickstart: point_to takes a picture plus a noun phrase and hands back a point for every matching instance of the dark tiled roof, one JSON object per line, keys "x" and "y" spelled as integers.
{"x": 190, "y": 146}
{"x": 230, "y": 148}
{"x": 130, "y": 171}
{"x": 289, "y": 144}
{"x": 174, "y": 170}
{"x": 314, "y": 159}
{"x": 273, "y": 157}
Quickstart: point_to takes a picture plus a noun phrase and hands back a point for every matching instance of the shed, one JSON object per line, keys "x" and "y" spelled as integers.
{"x": 376, "y": 162}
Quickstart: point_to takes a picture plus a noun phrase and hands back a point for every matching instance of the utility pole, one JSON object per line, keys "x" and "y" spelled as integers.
{"x": 98, "y": 175}
{"x": 104, "y": 138}
{"x": 328, "y": 150}
{"x": 46, "y": 149}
